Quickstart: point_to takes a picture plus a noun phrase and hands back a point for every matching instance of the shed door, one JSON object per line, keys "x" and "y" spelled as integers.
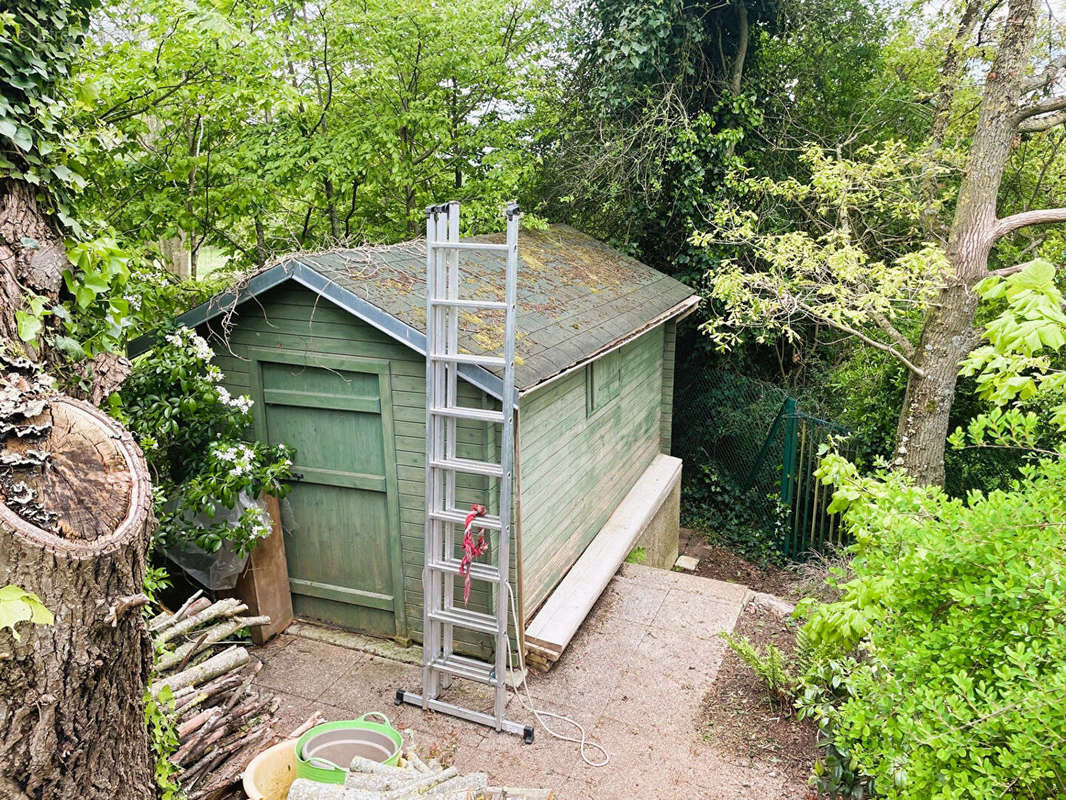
{"x": 341, "y": 531}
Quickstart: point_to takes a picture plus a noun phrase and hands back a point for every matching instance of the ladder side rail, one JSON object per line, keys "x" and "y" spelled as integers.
{"x": 451, "y": 400}
{"x": 507, "y": 461}
{"x": 432, "y": 527}
{"x": 443, "y": 479}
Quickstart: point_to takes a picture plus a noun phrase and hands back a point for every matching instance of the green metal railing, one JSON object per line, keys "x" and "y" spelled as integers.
{"x": 759, "y": 440}
{"x": 811, "y": 527}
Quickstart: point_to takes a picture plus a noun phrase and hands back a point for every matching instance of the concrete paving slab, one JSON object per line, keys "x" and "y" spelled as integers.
{"x": 370, "y": 684}
{"x": 711, "y": 590}
{"x": 637, "y": 607}
{"x": 305, "y": 668}
{"x": 687, "y": 562}
{"x": 695, "y": 615}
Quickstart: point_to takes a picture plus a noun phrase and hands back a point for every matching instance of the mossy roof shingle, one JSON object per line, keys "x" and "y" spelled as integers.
{"x": 577, "y": 296}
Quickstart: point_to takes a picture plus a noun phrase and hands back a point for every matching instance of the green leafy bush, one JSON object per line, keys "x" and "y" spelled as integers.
{"x": 192, "y": 432}
{"x": 941, "y": 670}
{"x": 941, "y": 673}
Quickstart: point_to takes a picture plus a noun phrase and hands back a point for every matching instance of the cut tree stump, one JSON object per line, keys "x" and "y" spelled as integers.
{"x": 75, "y": 522}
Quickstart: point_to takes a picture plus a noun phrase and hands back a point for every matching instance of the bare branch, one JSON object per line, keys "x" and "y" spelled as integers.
{"x": 1004, "y": 272}
{"x": 902, "y": 342}
{"x": 1046, "y": 76}
{"x": 884, "y": 348}
{"x": 1040, "y": 216}
{"x": 1043, "y": 123}
{"x": 1025, "y": 123}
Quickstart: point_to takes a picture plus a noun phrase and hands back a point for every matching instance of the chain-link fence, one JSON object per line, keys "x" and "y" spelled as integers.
{"x": 750, "y": 453}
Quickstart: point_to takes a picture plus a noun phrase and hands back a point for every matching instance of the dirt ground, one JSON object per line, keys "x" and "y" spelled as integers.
{"x": 739, "y": 716}
{"x": 721, "y": 563}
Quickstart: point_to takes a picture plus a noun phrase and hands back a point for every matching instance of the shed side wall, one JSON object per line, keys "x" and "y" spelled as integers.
{"x": 666, "y": 424}
{"x": 576, "y": 468}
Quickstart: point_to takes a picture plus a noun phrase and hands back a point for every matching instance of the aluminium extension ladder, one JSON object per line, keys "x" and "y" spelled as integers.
{"x": 441, "y": 615}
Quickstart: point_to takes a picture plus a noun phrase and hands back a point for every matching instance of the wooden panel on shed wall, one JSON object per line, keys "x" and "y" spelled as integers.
{"x": 669, "y": 353}
{"x": 576, "y": 468}
{"x": 293, "y": 318}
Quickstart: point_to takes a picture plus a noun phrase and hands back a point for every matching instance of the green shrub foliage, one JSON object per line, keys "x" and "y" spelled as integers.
{"x": 192, "y": 432}
{"x": 941, "y": 671}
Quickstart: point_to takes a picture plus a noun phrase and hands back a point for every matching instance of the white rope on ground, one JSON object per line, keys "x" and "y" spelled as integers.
{"x": 539, "y": 714}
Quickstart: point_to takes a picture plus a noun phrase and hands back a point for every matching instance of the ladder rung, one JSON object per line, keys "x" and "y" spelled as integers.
{"x": 471, "y": 620}
{"x": 467, "y": 358}
{"x": 475, "y": 414}
{"x": 466, "y": 668}
{"x": 469, "y": 466}
{"x": 459, "y": 518}
{"x": 479, "y": 572}
{"x": 467, "y": 303}
{"x": 442, "y": 245}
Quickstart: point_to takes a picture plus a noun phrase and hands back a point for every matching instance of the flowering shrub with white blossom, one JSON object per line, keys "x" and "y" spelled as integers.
{"x": 193, "y": 434}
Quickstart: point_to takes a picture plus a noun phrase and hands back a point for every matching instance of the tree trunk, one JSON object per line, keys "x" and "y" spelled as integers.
{"x": 945, "y": 98}
{"x": 331, "y": 210}
{"x": 74, "y": 528}
{"x": 948, "y": 333}
{"x": 31, "y": 251}
{"x": 176, "y": 255}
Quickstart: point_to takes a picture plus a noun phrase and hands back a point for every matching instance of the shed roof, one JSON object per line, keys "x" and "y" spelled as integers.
{"x": 577, "y": 298}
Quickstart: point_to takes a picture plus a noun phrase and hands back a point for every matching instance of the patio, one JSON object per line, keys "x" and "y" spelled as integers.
{"x": 634, "y": 676}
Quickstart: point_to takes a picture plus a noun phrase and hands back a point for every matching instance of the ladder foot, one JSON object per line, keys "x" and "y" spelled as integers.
{"x": 527, "y": 734}
{"x": 398, "y": 700}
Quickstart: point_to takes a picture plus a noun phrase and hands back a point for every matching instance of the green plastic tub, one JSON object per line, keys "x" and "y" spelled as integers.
{"x": 324, "y": 752}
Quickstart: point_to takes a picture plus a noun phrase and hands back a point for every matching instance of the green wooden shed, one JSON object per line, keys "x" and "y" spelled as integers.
{"x": 330, "y": 348}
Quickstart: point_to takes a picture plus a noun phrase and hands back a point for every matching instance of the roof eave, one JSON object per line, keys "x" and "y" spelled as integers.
{"x": 678, "y": 311}
{"x": 306, "y": 276}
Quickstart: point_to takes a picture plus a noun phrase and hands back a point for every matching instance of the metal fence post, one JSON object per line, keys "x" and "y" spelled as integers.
{"x": 788, "y": 468}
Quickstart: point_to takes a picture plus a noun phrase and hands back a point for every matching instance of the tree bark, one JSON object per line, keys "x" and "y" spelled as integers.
{"x": 32, "y": 253}
{"x": 75, "y": 521}
{"x": 948, "y": 334}
{"x": 945, "y": 97}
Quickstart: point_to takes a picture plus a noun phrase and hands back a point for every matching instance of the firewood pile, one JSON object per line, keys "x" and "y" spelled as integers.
{"x": 221, "y": 720}
{"x": 413, "y": 779}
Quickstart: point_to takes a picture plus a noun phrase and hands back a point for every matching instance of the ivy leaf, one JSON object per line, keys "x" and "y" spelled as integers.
{"x": 23, "y": 138}
{"x": 17, "y": 605}
{"x": 29, "y": 326}
{"x": 84, "y": 296}
{"x": 97, "y": 282}
{"x": 71, "y": 347}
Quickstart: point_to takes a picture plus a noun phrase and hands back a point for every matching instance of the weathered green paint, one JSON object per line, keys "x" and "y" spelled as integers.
{"x": 576, "y": 467}
{"x": 343, "y": 514}
{"x": 666, "y": 424}
{"x": 292, "y": 323}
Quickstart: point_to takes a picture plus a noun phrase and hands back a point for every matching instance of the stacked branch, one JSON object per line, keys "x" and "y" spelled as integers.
{"x": 221, "y": 721}
{"x": 412, "y": 779}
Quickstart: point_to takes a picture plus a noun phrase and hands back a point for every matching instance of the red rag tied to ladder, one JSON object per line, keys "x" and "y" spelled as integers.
{"x": 471, "y": 550}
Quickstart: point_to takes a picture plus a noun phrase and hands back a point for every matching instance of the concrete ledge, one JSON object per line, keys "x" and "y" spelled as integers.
{"x": 638, "y": 514}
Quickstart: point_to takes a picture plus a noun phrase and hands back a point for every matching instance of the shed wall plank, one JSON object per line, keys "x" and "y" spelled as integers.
{"x": 576, "y": 468}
